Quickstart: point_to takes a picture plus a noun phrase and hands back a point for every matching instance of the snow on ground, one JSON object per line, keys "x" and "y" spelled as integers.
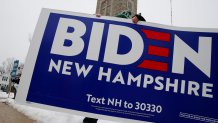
{"x": 41, "y": 115}
{"x": 4, "y": 95}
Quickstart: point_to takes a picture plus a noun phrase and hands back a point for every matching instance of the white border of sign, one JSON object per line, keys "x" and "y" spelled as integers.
{"x": 34, "y": 49}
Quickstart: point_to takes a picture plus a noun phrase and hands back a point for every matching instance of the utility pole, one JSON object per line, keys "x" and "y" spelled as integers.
{"x": 171, "y": 12}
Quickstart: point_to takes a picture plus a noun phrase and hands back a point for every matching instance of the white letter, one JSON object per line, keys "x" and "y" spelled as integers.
{"x": 133, "y": 55}
{"x": 148, "y": 79}
{"x": 107, "y": 74}
{"x": 66, "y": 67}
{"x": 134, "y": 79}
{"x": 182, "y": 87}
{"x": 192, "y": 88}
{"x": 201, "y": 60}
{"x": 119, "y": 78}
{"x": 75, "y": 37}
{"x": 173, "y": 85}
{"x": 83, "y": 69}
{"x": 205, "y": 90}
{"x": 55, "y": 66}
{"x": 89, "y": 95}
{"x": 95, "y": 41}
{"x": 159, "y": 83}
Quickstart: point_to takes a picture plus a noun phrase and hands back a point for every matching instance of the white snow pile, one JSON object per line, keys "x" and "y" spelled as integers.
{"x": 4, "y": 95}
{"x": 45, "y": 116}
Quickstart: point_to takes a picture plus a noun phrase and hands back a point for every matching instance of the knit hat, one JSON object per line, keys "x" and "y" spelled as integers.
{"x": 139, "y": 16}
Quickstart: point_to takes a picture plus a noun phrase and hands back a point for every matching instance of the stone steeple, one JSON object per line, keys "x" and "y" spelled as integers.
{"x": 113, "y": 7}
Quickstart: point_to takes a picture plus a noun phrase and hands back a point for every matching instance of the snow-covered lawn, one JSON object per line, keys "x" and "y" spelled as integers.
{"x": 4, "y": 95}
{"x": 41, "y": 115}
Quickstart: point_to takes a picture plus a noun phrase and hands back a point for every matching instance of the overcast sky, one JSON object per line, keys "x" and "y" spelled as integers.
{"x": 19, "y": 17}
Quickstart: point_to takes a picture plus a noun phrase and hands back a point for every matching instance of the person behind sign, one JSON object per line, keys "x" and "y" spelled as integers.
{"x": 135, "y": 19}
{"x": 126, "y": 14}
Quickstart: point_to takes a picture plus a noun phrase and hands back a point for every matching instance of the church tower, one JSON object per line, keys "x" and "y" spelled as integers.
{"x": 114, "y": 7}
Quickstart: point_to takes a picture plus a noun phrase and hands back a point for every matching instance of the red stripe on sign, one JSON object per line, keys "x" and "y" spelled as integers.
{"x": 161, "y": 36}
{"x": 154, "y": 65}
{"x": 158, "y": 51}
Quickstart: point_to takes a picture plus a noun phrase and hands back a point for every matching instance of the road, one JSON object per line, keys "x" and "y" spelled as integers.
{"x": 10, "y": 115}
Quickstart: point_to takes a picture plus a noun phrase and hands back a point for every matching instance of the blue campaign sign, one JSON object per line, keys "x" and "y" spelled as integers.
{"x": 113, "y": 69}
